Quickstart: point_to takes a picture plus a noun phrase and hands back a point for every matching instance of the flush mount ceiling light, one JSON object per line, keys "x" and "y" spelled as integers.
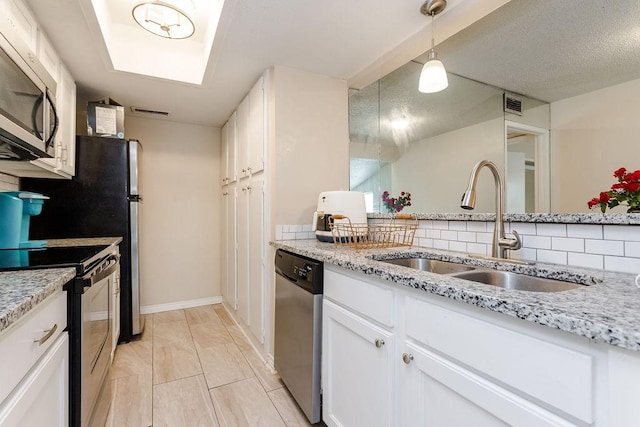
{"x": 433, "y": 77}
{"x": 166, "y": 18}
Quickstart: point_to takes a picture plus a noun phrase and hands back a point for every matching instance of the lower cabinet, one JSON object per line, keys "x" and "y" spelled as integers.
{"x": 356, "y": 370}
{"x": 398, "y": 357}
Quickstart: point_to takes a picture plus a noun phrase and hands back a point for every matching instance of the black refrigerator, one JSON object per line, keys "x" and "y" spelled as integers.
{"x": 102, "y": 200}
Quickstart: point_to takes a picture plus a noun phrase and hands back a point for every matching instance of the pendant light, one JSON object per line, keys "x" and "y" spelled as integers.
{"x": 172, "y": 19}
{"x": 433, "y": 77}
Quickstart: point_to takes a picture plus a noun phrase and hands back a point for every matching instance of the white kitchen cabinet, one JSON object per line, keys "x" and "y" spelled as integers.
{"x": 357, "y": 367}
{"x": 242, "y": 138}
{"x": 229, "y": 271}
{"x": 255, "y": 193}
{"x": 453, "y": 364}
{"x": 228, "y": 140}
{"x": 256, "y": 131}
{"x": 19, "y": 24}
{"x": 48, "y": 56}
{"x": 34, "y": 385}
{"x": 224, "y": 154}
{"x": 242, "y": 217}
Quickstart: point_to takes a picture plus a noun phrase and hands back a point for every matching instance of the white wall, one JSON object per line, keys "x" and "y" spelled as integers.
{"x": 450, "y": 157}
{"x": 591, "y": 136}
{"x": 180, "y": 214}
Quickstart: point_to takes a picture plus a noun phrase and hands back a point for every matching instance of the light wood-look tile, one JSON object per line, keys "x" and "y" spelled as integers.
{"x": 223, "y": 364}
{"x": 133, "y": 358}
{"x": 131, "y": 402}
{"x": 205, "y": 314}
{"x": 208, "y": 335}
{"x": 168, "y": 316}
{"x": 174, "y": 354}
{"x": 184, "y": 402}
{"x": 288, "y": 408}
{"x": 147, "y": 332}
{"x": 240, "y": 338}
{"x": 269, "y": 379}
{"x": 224, "y": 315}
{"x": 244, "y": 403}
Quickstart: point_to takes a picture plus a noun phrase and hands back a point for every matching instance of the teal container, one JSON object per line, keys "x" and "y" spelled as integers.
{"x": 10, "y": 220}
{"x": 31, "y": 206}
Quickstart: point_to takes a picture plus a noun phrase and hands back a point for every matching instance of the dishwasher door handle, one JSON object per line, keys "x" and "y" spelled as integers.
{"x": 286, "y": 276}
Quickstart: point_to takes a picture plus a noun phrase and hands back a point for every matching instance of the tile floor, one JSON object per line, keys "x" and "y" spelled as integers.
{"x": 194, "y": 367}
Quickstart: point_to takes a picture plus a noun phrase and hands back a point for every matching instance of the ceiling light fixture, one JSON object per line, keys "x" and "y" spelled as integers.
{"x": 433, "y": 77}
{"x": 172, "y": 19}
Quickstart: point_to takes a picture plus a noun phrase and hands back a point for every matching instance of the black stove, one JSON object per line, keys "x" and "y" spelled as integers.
{"x": 83, "y": 258}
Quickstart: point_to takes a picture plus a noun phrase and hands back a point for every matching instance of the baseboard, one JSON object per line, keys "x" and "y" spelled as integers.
{"x": 157, "y": 308}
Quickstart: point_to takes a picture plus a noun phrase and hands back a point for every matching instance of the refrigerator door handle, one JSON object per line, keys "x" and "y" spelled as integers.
{"x": 134, "y": 198}
{"x": 137, "y": 324}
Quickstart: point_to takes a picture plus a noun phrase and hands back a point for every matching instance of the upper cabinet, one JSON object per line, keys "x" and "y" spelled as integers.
{"x": 250, "y": 131}
{"x": 19, "y": 21}
{"x": 48, "y": 56}
{"x": 66, "y": 137}
{"x": 228, "y": 140}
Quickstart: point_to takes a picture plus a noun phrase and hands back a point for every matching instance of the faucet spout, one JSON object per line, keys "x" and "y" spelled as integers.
{"x": 500, "y": 242}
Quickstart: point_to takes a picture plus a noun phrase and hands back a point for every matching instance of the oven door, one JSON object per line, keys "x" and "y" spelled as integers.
{"x": 96, "y": 333}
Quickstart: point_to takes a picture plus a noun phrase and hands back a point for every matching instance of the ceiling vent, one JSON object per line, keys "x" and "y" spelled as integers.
{"x": 141, "y": 110}
{"x": 512, "y": 104}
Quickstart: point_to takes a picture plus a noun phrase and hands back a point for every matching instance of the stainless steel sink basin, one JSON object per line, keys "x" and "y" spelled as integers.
{"x": 430, "y": 265}
{"x": 516, "y": 281}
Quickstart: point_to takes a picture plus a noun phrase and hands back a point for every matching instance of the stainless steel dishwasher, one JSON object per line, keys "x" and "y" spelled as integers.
{"x": 298, "y": 329}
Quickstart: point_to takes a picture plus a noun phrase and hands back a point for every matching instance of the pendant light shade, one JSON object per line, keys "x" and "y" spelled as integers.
{"x": 433, "y": 77}
{"x": 166, "y": 18}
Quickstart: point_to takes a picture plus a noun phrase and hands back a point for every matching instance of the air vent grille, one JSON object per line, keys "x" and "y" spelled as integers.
{"x": 512, "y": 104}
{"x": 149, "y": 111}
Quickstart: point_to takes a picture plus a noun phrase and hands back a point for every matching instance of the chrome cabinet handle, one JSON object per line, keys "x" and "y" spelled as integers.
{"x": 49, "y": 333}
{"x": 379, "y": 342}
{"x": 407, "y": 358}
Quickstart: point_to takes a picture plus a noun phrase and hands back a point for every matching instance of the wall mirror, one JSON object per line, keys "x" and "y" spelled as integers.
{"x": 573, "y": 67}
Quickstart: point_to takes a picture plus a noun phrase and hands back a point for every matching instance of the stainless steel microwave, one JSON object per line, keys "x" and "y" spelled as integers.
{"x": 28, "y": 118}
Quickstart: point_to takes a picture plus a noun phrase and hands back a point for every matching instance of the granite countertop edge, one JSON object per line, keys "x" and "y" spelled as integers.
{"x": 24, "y": 290}
{"x": 607, "y": 310}
{"x": 558, "y": 218}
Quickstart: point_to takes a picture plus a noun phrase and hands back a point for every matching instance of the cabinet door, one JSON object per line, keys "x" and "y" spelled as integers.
{"x": 20, "y": 23}
{"x": 229, "y": 246}
{"x": 256, "y": 127}
{"x": 66, "y": 136}
{"x": 232, "y": 171}
{"x": 243, "y": 251}
{"x": 224, "y": 153}
{"x": 48, "y": 56}
{"x": 42, "y": 397}
{"x": 242, "y": 137}
{"x": 256, "y": 258}
{"x": 436, "y": 392}
{"x": 357, "y": 370}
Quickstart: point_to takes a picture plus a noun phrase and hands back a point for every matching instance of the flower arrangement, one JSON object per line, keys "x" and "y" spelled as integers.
{"x": 624, "y": 192}
{"x": 393, "y": 204}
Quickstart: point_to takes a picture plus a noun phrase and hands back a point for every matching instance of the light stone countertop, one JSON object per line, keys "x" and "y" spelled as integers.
{"x": 22, "y": 290}
{"x": 560, "y": 218}
{"x": 608, "y": 310}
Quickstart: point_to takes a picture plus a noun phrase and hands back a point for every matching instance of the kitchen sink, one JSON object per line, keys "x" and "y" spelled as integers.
{"x": 430, "y": 265}
{"x": 516, "y": 281}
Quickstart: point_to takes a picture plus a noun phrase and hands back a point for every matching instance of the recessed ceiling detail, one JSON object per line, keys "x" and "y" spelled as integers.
{"x": 132, "y": 49}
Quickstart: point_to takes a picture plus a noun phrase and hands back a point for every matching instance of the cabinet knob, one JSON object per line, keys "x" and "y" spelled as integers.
{"x": 244, "y": 170}
{"x": 407, "y": 358}
{"x": 225, "y": 193}
{"x": 248, "y": 169}
{"x": 244, "y": 189}
{"x": 379, "y": 342}
{"x": 249, "y": 187}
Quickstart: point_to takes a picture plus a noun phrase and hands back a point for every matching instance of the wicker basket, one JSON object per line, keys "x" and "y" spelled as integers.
{"x": 370, "y": 236}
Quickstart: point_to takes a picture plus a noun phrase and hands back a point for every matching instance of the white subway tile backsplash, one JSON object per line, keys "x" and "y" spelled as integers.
{"x": 295, "y": 228}
{"x": 477, "y": 248}
{"x": 434, "y": 234}
{"x": 440, "y": 225}
{"x": 449, "y": 235}
{"x": 477, "y": 226}
{"x": 306, "y": 227}
{"x": 587, "y": 231}
{"x": 425, "y": 243}
{"x": 288, "y": 236}
{"x": 604, "y": 247}
{"x": 467, "y": 236}
{"x": 458, "y": 225}
{"x": 524, "y": 254}
{"x": 426, "y": 223}
{"x": 559, "y": 230}
{"x": 555, "y": 257}
{"x": 278, "y": 232}
{"x": 440, "y": 244}
{"x": 567, "y": 244}
{"x": 585, "y": 260}
{"x": 626, "y": 265}
{"x": 484, "y": 238}
{"x": 622, "y": 232}
{"x": 537, "y": 242}
{"x": 524, "y": 228}
{"x": 458, "y": 246}
{"x": 420, "y": 232}
{"x": 632, "y": 249}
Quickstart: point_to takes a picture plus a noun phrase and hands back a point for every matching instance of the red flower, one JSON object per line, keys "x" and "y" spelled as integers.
{"x": 633, "y": 176}
{"x": 620, "y": 173}
{"x": 631, "y": 187}
{"x": 605, "y": 197}
{"x": 593, "y": 203}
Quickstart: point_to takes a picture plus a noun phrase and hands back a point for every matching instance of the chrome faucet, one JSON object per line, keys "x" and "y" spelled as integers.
{"x": 500, "y": 242}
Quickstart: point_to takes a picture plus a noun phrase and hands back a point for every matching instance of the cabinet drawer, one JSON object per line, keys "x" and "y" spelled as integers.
{"x": 19, "y": 347}
{"x": 368, "y": 299}
{"x": 559, "y": 376}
